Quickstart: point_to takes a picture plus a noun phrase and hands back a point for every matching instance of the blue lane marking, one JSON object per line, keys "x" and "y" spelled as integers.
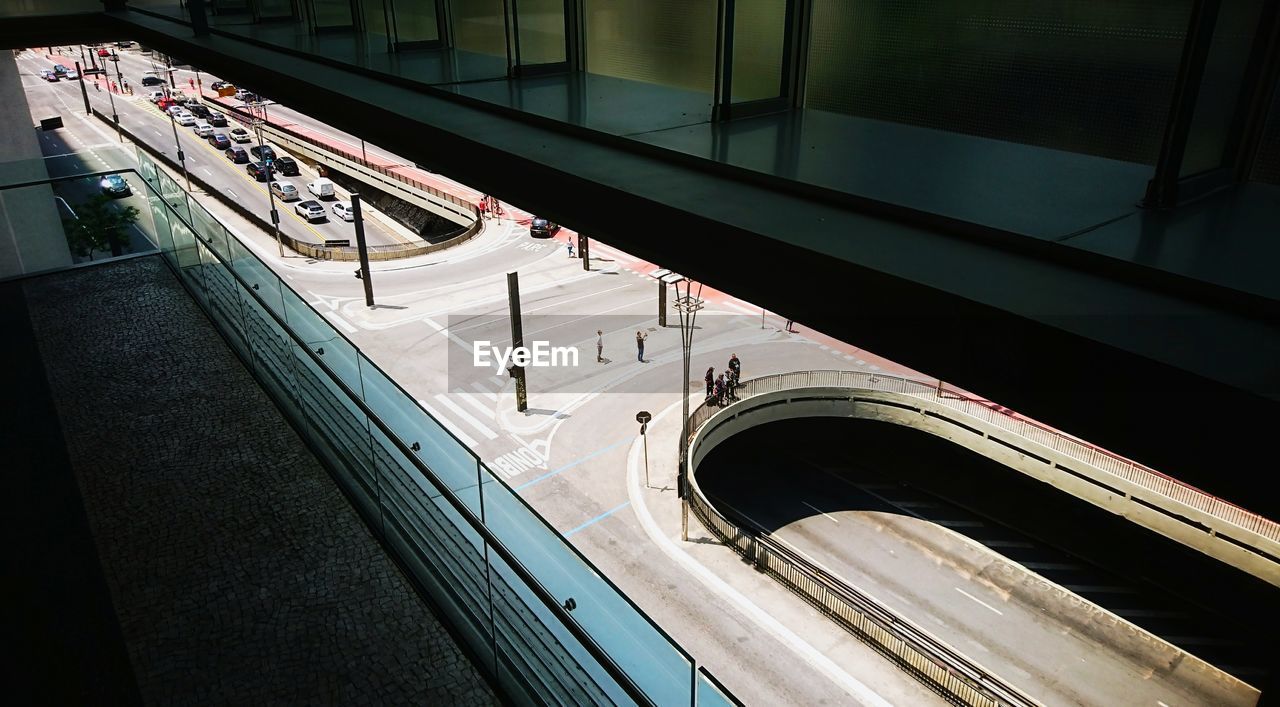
{"x": 572, "y": 464}
{"x": 598, "y": 518}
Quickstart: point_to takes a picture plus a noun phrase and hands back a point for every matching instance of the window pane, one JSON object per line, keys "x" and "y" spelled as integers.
{"x": 478, "y": 26}
{"x": 666, "y": 42}
{"x": 332, "y": 13}
{"x": 541, "y": 25}
{"x": 1091, "y": 77}
{"x": 1215, "y": 112}
{"x": 416, "y": 21}
{"x": 759, "y": 28}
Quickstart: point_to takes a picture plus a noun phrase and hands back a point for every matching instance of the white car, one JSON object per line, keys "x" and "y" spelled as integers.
{"x": 72, "y": 75}
{"x": 155, "y": 96}
{"x": 284, "y": 191}
{"x": 342, "y": 209}
{"x": 175, "y": 110}
{"x": 203, "y": 129}
{"x": 239, "y": 135}
{"x": 310, "y": 210}
{"x": 185, "y": 119}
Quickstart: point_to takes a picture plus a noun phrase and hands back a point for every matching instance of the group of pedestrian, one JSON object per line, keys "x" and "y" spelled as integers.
{"x": 720, "y": 387}
{"x": 489, "y": 207}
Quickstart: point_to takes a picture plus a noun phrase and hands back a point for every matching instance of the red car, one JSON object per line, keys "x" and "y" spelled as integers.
{"x": 103, "y": 52}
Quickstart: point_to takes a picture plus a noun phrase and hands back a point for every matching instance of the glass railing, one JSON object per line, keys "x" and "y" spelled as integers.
{"x": 542, "y": 620}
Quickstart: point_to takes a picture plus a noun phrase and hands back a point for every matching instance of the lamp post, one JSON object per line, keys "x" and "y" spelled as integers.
{"x": 182, "y": 159}
{"x": 687, "y": 305}
{"x": 115, "y": 118}
{"x": 271, "y": 197}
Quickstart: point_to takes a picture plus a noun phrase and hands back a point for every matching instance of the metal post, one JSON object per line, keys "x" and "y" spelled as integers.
{"x": 367, "y": 277}
{"x": 114, "y": 117}
{"x": 119, "y": 74}
{"x": 687, "y": 306}
{"x": 84, "y": 92}
{"x": 583, "y": 244}
{"x": 517, "y": 341}
{"x": 646, "y": 454}
{"x": 762, "y": 313}
{"x": 182, "y": 159}
{"x": 662, "y": 302}
{"x": 271, "y": 196}
{"x": 363, "y": 155}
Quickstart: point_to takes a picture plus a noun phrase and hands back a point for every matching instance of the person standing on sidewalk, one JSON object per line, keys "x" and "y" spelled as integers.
{"x": 640, "y": 346}
{"x": 599, "y": 346}
{"x": 710, "y": 380}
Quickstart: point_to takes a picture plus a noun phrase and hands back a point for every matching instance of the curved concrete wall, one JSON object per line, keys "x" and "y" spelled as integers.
{"x": 1235, "y": 546}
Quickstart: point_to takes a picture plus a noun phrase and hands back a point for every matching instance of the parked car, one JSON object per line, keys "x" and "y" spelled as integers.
{"x": 48, "y": 75}
{"x": 311, "y": 211}
{"x": 236, "y": 154}
{"x": 542, "y": 228}
{"x": 113, "y": 185}
{"x": 284, "y": 191}
{"x": 220, "y": 141}
{"x": 262, "y": 152}
{"x": 322, "y": 188}
{"x": 256, "y": 171}
{"x": 185, "y": 119}
{"x": 152, "y": 81}
{"x": 286, "y": 165}
{"x": 342, "y": 209}
{"x": 217, "y": 119}
{"x": 239, "y": 135}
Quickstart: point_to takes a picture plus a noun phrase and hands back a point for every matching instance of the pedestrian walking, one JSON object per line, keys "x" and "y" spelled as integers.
{"x": 790, "y": 328}
{"x": 484, "y": 206}
{"x": 710, "y": 380}
{"x": 640, "y": 338}
{"x": 599, "y": 346}
{"x": 569, "y": 244}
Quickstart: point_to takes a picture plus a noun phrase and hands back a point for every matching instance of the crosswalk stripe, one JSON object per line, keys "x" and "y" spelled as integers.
{"x": 475, "y": 385}
{"x": 466, "y": 416}
{"x": 471, "y": 400}
{"x": 462, "y": 436}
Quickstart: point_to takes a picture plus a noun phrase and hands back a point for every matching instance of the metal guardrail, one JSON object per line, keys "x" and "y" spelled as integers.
{"x": 987, "y": 411}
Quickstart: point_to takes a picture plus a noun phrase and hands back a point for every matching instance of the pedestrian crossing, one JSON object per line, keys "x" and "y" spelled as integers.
{"x": 469, "y": 413}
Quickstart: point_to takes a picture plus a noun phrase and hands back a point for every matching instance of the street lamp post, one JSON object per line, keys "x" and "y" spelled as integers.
{"x": 271, "y": 197}
{"x": 687, "y": 305}
{"x": 115, "y": 118}
{"x": 182, "y": 159}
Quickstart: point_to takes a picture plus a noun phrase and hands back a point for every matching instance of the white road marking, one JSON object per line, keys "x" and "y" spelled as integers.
{"x": 232, "y": 193}
{"x": 452, "y": 337}
{"x": 475, "y": 385}
{"x": 958, "y": 589}
{"x": 470, "y": 399}
{"x": 337, "y": 319}
{"x": 466, "y": 416}
{"x": 208, "y": 171}
{"x": 457, "y": 432}
{"x": 833, "y": 520}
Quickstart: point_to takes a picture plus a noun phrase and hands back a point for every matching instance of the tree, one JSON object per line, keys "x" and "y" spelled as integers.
{"x": 101, "y": 225}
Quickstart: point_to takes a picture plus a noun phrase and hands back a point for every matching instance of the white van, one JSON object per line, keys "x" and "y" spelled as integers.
{"x": 321, "y": 187}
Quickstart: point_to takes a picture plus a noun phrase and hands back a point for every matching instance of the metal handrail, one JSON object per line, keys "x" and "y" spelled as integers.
{"x": 1096, "y": 457}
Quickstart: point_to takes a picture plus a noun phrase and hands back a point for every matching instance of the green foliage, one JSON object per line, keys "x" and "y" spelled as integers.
{"x": 102, "y": 225}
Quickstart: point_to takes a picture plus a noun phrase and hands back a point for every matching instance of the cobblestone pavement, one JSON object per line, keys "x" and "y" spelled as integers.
{"x": 239, "y": 572}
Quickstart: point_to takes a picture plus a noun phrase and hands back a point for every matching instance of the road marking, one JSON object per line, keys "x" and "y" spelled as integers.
{"x": 466, "y": 416}
{"x": 457, "y": 432}
{"x": 471, "y": 400}
{"x": 599, "y": 518}
{"x": 475, "y": 385}
{"x": 958, "y": 589}
{"x": 833, "y": 520}
{"x": 232, "y": 193}
{"x": 572, "y": 464}
{"x": 208, "y": 171}
{"x": 444, "y": 330}
{"x": 337, "y": 319}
